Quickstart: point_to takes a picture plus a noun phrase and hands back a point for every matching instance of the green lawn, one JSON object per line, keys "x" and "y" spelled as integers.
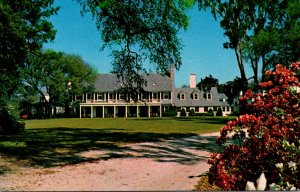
{"x": 59, "y": 141}
{"x": 151, "y": 125}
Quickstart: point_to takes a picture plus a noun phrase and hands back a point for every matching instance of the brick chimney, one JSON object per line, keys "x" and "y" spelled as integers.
{"x": 193, "y": 80}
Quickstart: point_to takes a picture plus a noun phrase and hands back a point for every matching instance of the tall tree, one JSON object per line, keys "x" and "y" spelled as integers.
{"x": 207, "y": 83}
{"x": 138, "y": 31}
{"x": 265, "y": 32}
{"x": 235, "y": 23}
{"x": 23, "y": 29}
{"x": 232, "y": 89}
{"x": 58, "y": 76}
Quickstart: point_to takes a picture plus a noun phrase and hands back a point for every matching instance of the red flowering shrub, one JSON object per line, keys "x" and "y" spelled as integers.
{"x": 260, "y": 136}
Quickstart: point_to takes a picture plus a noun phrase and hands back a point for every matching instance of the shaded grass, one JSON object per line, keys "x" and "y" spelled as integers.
{"x": 61, "y": 141}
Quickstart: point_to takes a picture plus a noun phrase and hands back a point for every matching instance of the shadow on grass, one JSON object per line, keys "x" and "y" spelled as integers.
{"x": 61, "y": 146}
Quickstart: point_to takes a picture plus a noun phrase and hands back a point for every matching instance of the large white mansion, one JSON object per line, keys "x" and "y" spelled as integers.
{"x": 160, "y": 94}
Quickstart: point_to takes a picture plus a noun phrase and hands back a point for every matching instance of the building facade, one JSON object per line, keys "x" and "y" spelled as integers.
{"x": 160, "y": 94}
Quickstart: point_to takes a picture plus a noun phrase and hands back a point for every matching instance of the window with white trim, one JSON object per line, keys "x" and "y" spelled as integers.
{"x": 182, "y": 96}
{"x": 196, "y": 96}
{"x": 208, "y": 96}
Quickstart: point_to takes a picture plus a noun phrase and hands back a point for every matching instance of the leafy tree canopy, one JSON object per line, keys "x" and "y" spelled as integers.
{"x": 207, "y": 83}
{"x": 23, "y": 29}
{"x": 265, "y": 32}
{"x": 139, "y": 31}
{"x": 57, "y": 75}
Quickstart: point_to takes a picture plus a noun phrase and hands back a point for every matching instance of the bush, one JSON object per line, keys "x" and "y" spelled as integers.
{"x": 182, "y": 113}
{"x": 8, "y": 123}
{"x": 192, "y": 113}
{"x": 171, "y": 111}
{"x": 273, "y": 126}
{"x": 219, "y": 112}
{"x": 210, "y": 113}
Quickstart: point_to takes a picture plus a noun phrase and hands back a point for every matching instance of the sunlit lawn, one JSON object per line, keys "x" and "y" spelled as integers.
{"x": 151, "y": 125}
{"x": 60, "y": 141}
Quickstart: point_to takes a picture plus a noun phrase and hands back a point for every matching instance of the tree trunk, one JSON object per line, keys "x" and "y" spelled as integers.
{"x": 264, "y": 67}
{"x": 254, "y": 65}
{"x": 238, "y": 54}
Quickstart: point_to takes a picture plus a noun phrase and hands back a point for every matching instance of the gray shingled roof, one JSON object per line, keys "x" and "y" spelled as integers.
{"x": 155, "y": 82}
{"x": 201, "y": 102}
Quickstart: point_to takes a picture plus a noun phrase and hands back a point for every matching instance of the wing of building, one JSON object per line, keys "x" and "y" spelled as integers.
{"x": 160, "y": 93}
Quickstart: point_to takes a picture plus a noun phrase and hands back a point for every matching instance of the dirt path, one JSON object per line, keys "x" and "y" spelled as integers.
{"x": 168, "y": 165}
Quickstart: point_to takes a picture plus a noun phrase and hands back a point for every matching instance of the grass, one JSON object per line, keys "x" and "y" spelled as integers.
{"x": 143, "y": 125}
{"x": 55, "y": 142}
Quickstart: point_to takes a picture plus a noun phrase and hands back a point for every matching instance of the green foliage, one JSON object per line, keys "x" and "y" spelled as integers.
{"x": 170, "y": 112}
{"x": 192, "y": 113}
{"x": 219, "y": 112}
{"x": 232, "y": 89}
{"x": 262, "y": 33}
{"x": 8, "y": 123}
{"x": 266, "y": 138}
{"x": 182, "y": 112}
{"x": 23, "y": 29}
{"x": 207, "y": 83}
{"x": 140, "y": 30}
{"x": 210, "y": 112}
{"x": 58, "y": 75}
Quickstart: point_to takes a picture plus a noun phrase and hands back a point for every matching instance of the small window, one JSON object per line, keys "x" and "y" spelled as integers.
{"x": 205, "y": 109}
{"x": 144, "y": 96}
{"x": 224, "y": 109}
{"x": 78, "y": 97}
{"x": 122, "y": 96}
{"x": 196, "y": 109}
{"x": 166, "y": 96}
{"x": 215, "y": 108}
{"x": 228, "y": 108}
{"x": 155, "y": 95}
{"x": 182, "y": 96}
{"x": 88, "y": 96}
{"x": 112, "y": 96}
{"x": 100, "y": 96}
{"x": 196, "y": 96}
{"x": 208, "y": 95}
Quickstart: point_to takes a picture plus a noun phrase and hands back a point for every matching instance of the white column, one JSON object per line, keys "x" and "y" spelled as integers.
{"x": 103, "y": 111}
{"x": 92, "y": 112}
{"x": 79, "y": 111}
{"x": 126, "y": 110}
{"x": 149, "y": 111}
{"x": 115, "y": 108}
{"x": 160, "y": 111}
{"x": 137, "y": 111}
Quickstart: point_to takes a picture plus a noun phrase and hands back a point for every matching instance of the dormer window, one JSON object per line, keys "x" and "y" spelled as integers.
{"x": 196, "y": 96}
{"x": 208, "y": 95}
{"x": 154, "y": 84}
{"x": 182, "y": 96}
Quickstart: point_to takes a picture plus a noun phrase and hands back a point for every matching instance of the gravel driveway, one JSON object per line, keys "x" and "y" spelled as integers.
{"x": 167, "y": 165}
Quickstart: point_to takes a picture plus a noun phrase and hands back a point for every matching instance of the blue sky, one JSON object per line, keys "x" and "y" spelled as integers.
{"x": 202, "y": 53}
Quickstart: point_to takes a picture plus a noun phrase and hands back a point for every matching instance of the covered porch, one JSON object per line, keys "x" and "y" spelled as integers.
{"x": 119, "y": 111}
